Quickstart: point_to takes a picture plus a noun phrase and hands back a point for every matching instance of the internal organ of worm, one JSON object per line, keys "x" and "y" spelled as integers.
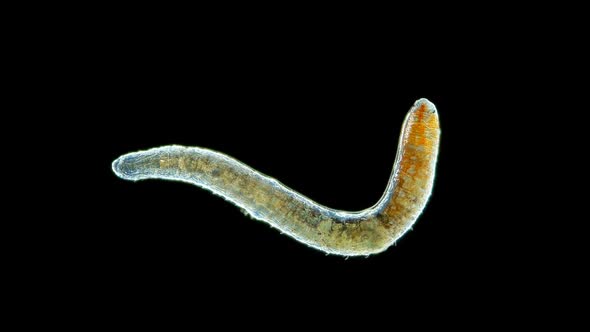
{"x": 333, "y": 231}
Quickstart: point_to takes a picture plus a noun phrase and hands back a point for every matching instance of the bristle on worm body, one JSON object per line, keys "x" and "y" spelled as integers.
{"x": 333, "y": 231}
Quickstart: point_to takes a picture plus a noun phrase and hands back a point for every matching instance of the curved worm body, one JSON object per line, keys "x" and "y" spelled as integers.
{"x": 337, "y": 232}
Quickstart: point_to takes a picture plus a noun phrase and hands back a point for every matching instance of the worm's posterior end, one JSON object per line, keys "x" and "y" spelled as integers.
{"x": 423, "y": 102}
{"x": 117, "y": 167}
{"x": 144, "y": 164}
{"x": 126, "y": 168}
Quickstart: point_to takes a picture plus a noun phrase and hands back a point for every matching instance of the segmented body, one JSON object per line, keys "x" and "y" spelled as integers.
{"x": 337, "y": 232}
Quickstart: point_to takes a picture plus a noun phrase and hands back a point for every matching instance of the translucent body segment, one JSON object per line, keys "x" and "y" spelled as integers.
{"x": 333, "y": 231}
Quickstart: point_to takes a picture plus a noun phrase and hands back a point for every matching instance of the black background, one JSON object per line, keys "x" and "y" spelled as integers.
{"x": 324, "y": 122}
{"x": 320, "y": 109}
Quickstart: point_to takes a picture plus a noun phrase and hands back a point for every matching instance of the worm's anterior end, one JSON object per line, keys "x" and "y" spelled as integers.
{"x": 426, "y": 104}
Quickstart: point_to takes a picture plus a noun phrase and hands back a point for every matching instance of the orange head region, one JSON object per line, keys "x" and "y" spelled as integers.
{"x": 420, "y": 139}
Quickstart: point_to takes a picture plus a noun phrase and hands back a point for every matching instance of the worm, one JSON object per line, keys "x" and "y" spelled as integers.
{"x": 365, "y": 232}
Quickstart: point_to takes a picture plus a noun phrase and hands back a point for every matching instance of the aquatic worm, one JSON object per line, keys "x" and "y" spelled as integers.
{"x": 333, "y": 231}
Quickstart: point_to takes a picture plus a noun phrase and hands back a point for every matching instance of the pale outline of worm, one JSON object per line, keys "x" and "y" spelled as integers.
{"x": 365, "y": 232}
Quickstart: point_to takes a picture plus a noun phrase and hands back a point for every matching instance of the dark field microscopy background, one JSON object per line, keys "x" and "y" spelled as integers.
{"x": 322, "y": 126}
{"x": 322, "y": 113}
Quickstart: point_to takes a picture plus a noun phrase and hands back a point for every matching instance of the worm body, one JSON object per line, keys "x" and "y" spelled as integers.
{"x": 333, "y": 231}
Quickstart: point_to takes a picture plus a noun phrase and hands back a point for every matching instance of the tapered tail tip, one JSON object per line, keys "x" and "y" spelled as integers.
{"x": 124, "y": 167}
{"x": 116, "y": 166}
